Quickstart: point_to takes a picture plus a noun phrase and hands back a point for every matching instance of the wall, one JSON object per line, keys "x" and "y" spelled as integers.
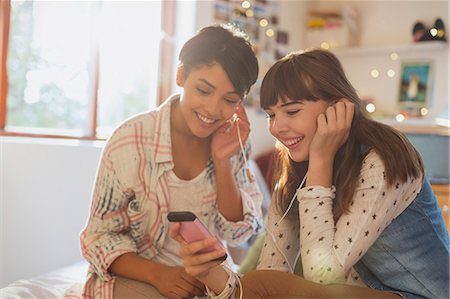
{"x": 390, "y": 22}
{"x": 385, "y": 27}
{"x": 45, "y": 190}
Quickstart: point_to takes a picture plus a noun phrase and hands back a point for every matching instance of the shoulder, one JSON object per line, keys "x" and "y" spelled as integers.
{"x": 138, "y": 129}
{"x": 136, "y": 124}
{"x": 148, "y": 122}
{"x": 373, "y": 174}
{"x": 372, "y": 162}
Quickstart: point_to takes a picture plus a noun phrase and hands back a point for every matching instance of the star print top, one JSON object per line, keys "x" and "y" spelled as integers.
{"x": 329, "y": 250}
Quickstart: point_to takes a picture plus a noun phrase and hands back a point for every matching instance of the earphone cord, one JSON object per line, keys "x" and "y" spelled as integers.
{"x": 279, "y": 221}
{"x": 240, "y": 142}
{"x": 292, "y": 201}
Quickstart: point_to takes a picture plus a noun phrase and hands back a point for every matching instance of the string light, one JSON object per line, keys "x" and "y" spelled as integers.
{"x": 245, "y": 4}
{"x": 391, "y": 73}
{"x": 325, "y": 45}
{"x": 263, "y": 22}
{"x": 374, "y": 73}
{"x": 423, "y": 111}
{"x": 394, "y": 56}
{"x": 370, "y": 108}
{"x": 400, "y": 118}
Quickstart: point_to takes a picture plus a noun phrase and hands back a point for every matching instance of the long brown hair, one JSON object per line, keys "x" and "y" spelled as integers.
{"x": 318, "y": 75}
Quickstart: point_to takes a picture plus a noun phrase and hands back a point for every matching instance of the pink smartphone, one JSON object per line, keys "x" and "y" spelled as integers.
{"x": 192, "y": 229}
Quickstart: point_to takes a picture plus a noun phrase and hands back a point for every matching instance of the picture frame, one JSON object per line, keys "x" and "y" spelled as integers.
{"x": 415, "y": 84}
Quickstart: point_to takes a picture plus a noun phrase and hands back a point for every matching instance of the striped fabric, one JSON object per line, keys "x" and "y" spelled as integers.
{"x": 130, "y": 198}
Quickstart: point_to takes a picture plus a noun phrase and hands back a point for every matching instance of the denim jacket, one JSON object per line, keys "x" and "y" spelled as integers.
{"x": 411, "y": 256}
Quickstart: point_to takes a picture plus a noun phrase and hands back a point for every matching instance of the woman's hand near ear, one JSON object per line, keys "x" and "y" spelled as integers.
{"x": 333, "y": 129}
{"x": 225, "y": 141}
{"x": 224, "y": 144}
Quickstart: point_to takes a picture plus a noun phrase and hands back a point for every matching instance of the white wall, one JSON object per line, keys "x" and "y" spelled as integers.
{"x": 45, "y": 190}
{"x": 391, "y": 22}
{"x": 385, "y": 26}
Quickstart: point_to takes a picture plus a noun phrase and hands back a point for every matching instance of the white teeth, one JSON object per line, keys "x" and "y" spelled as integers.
{"x": 293, "y": 141}
{"x": 205, "y": 119}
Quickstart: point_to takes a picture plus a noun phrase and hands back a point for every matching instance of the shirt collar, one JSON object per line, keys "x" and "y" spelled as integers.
{"x": 163, "y": 141}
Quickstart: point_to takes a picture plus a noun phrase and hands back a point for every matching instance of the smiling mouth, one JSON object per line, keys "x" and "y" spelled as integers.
{"x": 292, "y": 142}
{"x": 205, "y": 119}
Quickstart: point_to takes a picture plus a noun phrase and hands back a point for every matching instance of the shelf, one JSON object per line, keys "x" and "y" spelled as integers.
{"x": 418, "y": 126}
{"x": 419, "y": 47}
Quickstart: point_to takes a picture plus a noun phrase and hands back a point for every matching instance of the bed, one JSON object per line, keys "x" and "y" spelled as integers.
{"x": 51, "y": 285}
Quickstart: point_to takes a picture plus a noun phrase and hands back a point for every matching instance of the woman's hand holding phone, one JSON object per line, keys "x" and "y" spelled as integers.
{"x": 225, "y": 141}
{"x": 197, "y": 264}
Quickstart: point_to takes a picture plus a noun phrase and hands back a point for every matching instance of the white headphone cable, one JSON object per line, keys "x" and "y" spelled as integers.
{"x": 236, "y": 121}
{"x": 281, "y": 219}
{"x": 292, "y": 201}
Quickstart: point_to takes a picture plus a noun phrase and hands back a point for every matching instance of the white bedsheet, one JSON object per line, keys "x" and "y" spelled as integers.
{"x": 48, "y": 286}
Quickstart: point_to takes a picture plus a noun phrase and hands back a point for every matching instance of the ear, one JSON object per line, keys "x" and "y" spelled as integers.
{"x": 180, "y": 76}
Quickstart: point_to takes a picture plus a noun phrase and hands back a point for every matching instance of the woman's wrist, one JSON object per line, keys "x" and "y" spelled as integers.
{"x": 216, "y": 279}
{"x": 320, "y": 171}
{"x": 152, "y": 271}
{"x": 222, "y": 163}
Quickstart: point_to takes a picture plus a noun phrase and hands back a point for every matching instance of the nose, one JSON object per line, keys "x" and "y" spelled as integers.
{"x": 214, "y": 107}
{"x": 278, "y": 125}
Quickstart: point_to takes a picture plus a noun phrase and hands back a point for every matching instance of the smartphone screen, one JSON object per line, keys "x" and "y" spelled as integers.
{"x": 192, "y": 229}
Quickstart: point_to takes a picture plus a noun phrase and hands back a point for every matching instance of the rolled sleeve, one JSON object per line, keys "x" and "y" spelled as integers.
{"x": 107, "y": 234}
{"x": 102, "y": 252}
{"x": 235, "y": 233}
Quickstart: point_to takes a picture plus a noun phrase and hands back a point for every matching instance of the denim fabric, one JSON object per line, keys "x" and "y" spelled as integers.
{"x": 411, "y": 256}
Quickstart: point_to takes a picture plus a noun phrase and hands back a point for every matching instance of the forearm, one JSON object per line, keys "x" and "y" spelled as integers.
{"x": 318, "y": 253}
{"x": 320, "y": 172}
{"x": 131, "y": 265}
{"x": 228, "y": 196}
{"x": 216, "y": 279}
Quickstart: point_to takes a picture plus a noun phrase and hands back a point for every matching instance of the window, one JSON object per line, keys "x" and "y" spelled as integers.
{"x": 77, "y": 68}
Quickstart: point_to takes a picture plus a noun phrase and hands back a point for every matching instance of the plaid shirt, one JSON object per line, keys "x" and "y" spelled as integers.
{"x": 130, "y": 198}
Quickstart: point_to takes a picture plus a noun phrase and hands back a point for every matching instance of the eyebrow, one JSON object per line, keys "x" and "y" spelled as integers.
{"x": 213, "y": 87}
{"x": 291, "y": 103}
{"x": 287, "y": 104}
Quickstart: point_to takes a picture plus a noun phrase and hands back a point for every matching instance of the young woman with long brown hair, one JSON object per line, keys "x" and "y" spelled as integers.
{"x": 350, "y": 201}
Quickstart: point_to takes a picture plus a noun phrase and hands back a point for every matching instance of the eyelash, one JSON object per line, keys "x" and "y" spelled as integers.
{"x": 203, "y": 92}
{"x": 293, "y": 112}
{"x": 232, "y": 102}
{"x": 289, "y": 113}
{"x": 206, "y": 93}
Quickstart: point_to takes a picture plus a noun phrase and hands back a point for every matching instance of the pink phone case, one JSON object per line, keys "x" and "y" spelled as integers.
{"x": 193, "y": 230}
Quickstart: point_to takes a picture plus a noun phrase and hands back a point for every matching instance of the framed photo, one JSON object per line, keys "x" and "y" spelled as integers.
{"x": 415, "y": 84}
